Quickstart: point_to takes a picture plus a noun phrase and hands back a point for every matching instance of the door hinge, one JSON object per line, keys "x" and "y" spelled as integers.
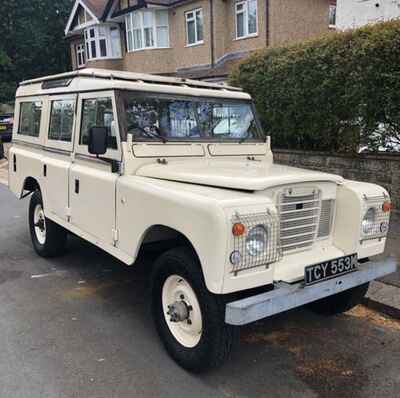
{"x": 68, "y": 213}
{"x": 115, "y": 236}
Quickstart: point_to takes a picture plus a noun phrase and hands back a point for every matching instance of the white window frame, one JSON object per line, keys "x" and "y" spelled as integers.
{"x": 331, "y": 7}
{"x": 245, "y": 12}
{"x": 193, "y": 18}
{"x": 80, "y": 52}
{"x": 96, "y": 39}
{"x": 130, "y": 30}
{"x": 64, "y": 145}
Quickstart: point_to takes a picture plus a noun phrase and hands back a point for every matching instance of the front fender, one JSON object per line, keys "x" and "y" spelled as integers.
{"x": 144, "y": 202}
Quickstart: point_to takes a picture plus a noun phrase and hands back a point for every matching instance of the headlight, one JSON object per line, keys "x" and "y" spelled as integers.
{"x": 369, "y": 221}
{"x": 256, "y": 241}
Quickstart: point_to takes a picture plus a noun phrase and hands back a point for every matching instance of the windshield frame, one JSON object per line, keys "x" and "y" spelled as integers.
{"x": 120, "y": 95}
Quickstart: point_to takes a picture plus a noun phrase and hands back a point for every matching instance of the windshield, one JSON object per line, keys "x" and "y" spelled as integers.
{"x": 188, "y": 118}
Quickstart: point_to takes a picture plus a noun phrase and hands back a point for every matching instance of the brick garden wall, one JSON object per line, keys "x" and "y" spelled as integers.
{"x": 378, "y": 169}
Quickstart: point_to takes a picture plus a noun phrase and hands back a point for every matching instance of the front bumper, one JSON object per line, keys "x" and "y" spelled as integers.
{"x": 286, "y": 296}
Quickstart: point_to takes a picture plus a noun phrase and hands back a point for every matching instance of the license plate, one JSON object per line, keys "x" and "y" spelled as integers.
{"x": 330, "y": 269}
{"x": 2, "y": 127}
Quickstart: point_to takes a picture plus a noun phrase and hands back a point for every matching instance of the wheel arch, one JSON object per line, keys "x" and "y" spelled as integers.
{"x": 29, "y": 186}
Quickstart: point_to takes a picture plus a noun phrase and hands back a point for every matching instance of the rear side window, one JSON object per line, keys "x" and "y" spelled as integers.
{"x": 97, "y": 112}
{"x": 29, "y": 119}
{"x": 61, "y": 120}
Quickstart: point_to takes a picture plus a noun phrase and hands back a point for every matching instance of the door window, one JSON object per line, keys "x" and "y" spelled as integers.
{"x": 98, "y": 112}
{"x": 29, "y": 121}
{"x": 61, "y": 120}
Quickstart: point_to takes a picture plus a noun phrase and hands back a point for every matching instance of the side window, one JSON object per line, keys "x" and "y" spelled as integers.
{"x": 61, "y": 120}
{"x": 98, "y": 112}
{"x": 29, "y": 118}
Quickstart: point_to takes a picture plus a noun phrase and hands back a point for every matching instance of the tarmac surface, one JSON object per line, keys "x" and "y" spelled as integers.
{"x": 79, "y": 326}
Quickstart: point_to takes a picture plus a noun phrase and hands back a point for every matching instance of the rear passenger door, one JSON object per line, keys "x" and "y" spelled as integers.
{"x": 58, "y": 151}
{"x": 93, "y": 180}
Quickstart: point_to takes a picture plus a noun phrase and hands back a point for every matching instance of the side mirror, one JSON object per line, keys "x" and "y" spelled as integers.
{"x": 97, "y": 141}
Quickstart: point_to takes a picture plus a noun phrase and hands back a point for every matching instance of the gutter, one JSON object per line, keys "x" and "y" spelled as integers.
{"x": 212, "y": 33}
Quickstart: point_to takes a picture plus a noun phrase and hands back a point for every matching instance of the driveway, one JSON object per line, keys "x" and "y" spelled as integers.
{"x": 79, "y": 326}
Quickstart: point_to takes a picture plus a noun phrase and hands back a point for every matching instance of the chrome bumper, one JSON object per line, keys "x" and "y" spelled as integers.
{"x": 286, "y": 296}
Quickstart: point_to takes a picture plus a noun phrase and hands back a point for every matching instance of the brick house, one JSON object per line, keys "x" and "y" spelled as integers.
{"x": 198, "y": 39}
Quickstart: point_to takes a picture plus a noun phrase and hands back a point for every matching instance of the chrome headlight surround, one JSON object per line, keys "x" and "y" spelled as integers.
{"x": 375, "y": 220}
{"x": 258, "y": 244}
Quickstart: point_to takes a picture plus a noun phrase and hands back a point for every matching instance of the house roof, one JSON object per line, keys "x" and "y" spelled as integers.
{"x": 99, "y": 8}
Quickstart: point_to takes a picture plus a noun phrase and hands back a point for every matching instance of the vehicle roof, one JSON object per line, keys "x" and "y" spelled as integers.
{"x": 90, "y": 79}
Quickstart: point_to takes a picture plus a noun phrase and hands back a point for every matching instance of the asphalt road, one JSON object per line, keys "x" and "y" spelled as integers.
{"x": 79, "y": 326}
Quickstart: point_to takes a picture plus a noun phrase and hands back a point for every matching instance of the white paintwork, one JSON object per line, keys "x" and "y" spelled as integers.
{"x": 161, "y": 189}
{"x": 352, "y": 14}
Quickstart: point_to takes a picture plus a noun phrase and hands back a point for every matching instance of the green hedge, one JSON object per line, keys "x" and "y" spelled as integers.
{"x": 329, "y": 93}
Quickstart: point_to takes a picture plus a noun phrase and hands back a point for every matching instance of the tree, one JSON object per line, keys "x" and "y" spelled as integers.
{"x": 32, "y": 41}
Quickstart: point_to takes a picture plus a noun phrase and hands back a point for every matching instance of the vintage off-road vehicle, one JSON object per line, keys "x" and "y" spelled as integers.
{"x": 123, "y": 159}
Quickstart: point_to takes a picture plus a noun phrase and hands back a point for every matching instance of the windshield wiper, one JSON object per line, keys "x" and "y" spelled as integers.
{"x": 156, "y": 134}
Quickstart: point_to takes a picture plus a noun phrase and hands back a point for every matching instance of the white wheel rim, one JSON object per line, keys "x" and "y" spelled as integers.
{"x": 187, "y": 332}
{"x": 39, "y": 224}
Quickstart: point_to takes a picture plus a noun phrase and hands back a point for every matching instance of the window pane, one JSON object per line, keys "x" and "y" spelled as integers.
{"x": 162, "y": 37}
{"x": 97, "y": 113}
{"x": 137, "y": 38}
{"x": 61, "y": 120}
{"x": 103, "y": 48}
{"x": 91, "y": 32}
{"x": 87, "y": 51}
{"x": 93, "y": 47}
{"x": 136, "y": 20}
{"x": 252, "y": 16}
{"x": 332, "y": 15}
{"x": 29, "y": 121}
{"x": 162, "y": 18}
{"x": 148, "y": 35}
{"x": 189, "y": 15}
{"x": 130, "y": 41}
{"x": 115, "y": 42}
{"x": 191, "y": 32}
{"x": 147, "y": 19}
{"x": 128, "y": 22}
{"x": 199, "y": 25}
{"x": 240, "y": 24}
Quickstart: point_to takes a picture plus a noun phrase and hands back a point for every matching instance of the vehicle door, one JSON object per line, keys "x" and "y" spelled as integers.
{"x": 93, "y": 179}
{"x": 56, "y": 162}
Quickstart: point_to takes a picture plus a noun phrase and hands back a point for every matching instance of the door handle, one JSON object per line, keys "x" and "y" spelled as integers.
{"x": 45, "y": 170}
{"x": 14, "y": 163}
{"x": 76, "y": 186}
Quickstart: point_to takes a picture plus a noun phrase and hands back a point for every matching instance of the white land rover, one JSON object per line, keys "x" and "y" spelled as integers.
{"x": 124, "y": 159}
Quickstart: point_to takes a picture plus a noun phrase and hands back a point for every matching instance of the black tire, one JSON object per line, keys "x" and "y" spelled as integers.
{"x": 217, "y": 338}
{"x": 341, "y": 302}
{"x": 55, "y": 235}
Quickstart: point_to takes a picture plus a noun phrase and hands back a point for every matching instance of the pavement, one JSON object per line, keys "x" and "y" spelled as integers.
{"x": 79, "y": 326}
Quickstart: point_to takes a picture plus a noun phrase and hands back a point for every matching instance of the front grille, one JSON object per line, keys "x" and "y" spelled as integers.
{"x": 272, "y": 250}
{"x": 299, "y": 219}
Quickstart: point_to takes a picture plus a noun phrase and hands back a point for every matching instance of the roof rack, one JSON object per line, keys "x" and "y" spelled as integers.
{"x": 129, "y": 76}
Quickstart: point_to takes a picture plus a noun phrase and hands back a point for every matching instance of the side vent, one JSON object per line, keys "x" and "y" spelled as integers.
{"x": 325, "y": 221}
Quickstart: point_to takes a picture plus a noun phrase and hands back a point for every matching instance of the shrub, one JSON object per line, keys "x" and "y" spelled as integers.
{"x": 330, "y": 93}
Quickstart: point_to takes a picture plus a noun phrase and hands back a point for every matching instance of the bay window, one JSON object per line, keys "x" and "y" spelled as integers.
{"x": 103, "y": 42}
{"x": 246, "y": 18}
{"x": 194, "y": 27}
{"x": 147, "y": 29}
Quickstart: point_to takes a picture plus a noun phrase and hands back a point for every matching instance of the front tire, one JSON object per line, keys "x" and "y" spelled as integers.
{"x": 189, "y": 319}
{"x": 48, "y": 238}
{"x": 340, "y": 302}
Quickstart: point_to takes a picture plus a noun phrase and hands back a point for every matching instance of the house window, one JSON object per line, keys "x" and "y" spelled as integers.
{"x": 147, "y": 29}
{"x": 80, "y": 55}
{"x": 194, "y": 27}
{"x": 246, "y": 18}
{"x": 332, "y": 16}
{"x": 102, "y": 42}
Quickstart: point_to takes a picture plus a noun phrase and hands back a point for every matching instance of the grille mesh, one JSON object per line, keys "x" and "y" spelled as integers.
{"x": 272, "y": 251}
{"x": 299, "y": 216}
{"x": 325, "y": 221}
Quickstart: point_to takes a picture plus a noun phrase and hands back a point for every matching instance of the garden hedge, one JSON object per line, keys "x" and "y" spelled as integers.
{"x": 329, "y": 93}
